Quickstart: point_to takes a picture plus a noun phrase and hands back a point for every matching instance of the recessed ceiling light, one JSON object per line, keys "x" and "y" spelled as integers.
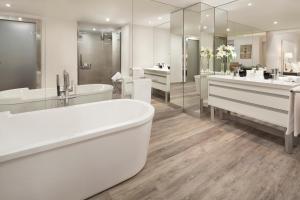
{"x": 20, "y": 19}
{"x": 159, "y": 18}
{"x": 94, "y": 29}
{"x": 8, "y": 5}
{"x": 228, "y": 29}
{"x": 275, "y": 22}
{"x": 207, "y": 15}
{"x": 249, "y": 4}
{"x": 204, "y": 27}
{"x": 150, "y": 22}
{"x": 107, "y": 19}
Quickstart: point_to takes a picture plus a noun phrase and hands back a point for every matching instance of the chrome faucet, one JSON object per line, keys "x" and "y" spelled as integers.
{"x": 67, "y": 88}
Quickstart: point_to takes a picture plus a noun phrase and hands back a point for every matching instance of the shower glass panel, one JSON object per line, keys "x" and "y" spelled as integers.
{"x": 18, "y": 55}
{"x": 21, "y": 77}
{"x": 198, "y": 63}
{"x": 99, "y": 55}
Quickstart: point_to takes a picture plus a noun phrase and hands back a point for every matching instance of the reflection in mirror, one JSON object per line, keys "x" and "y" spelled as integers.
{"x": 270, "y": 44}
{"x": 288, "y": 58}
{"x": 51, "y": 58}
{"x": 157, "y": 51}
{"x": 99, "y": 58}
{"x": 20, "y": 63}
{"x": 192, "y": 37}
{"x": 199, "y": 40}
{"x": 177, "y": 42}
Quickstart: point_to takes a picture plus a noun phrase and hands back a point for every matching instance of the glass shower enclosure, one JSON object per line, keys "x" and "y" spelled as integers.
{"x": 99, "y": 54}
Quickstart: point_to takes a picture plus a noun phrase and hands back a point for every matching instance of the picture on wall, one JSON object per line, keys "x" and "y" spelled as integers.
{"x": 246, "y": 51}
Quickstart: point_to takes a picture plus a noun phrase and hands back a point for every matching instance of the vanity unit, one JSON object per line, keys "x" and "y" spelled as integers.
{"x": 259, "y": 99}
{"x": 160, "y": 79}
{"x": 263, "y": 100}
{"x": 201, "y": 82}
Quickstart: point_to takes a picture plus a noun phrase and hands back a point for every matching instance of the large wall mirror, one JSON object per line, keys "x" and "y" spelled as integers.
{"x": 55, "y": 54}
{"x": 198, "y": 48}
{"x": 158, "y": 51}
{"x": 271, "y": 43}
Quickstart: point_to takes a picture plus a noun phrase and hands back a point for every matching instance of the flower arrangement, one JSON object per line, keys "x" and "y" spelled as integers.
{"x": 226, "y": 53}
{"x": 207, "y": 54}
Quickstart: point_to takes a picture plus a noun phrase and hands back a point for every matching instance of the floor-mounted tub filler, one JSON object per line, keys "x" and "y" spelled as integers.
{"x": 72, "y": 153}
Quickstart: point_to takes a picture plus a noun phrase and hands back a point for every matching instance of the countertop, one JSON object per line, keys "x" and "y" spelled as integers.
{"x": 255, "y": 81}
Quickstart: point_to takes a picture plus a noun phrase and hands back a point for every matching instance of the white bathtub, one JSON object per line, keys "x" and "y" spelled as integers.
{"x": 72, "y": 153}
{"x": 26, "y": 100}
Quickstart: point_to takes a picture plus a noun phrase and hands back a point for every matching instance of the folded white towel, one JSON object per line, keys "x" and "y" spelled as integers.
{"x": 294, "y": 112}
{"x": 116, "y": 77}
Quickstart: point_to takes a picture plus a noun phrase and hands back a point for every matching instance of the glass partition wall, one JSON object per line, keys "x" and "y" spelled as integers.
{"x": 173, "y": 47}
{"x": 158, "y": 51}
{"x": 198, "y": 51}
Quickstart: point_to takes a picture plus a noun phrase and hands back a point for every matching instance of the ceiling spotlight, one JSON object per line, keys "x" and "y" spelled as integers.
{"x": 94, "y": 29}
{"x": 207, "y": 15}
{"x": 204, "y": 27}
{"x": 228, "y": 29}
{"x": 20, "y": 19}
{"x": 275, "y": 22}
{"x": 107, "y": 19}
{"x": 8, "y": 5}
{"x": 159, "y": 18}
{"x": 249, "y": 4}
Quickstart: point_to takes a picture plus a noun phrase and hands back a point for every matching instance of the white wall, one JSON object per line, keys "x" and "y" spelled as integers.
{"x": 176, "y": 58}
{"x": 257, "y": 48}
{"x": 162, "y": 46}
{"x": 60, "y": 49}
{"x": 142, "y": 46}
{"x": 126, "y": 55}
{"x": 274, "y": 45}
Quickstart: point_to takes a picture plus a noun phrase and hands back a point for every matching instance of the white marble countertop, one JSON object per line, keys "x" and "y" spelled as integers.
{"x": 255, "y": 81}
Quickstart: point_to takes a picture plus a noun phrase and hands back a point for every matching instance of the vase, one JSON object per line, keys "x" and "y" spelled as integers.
{"x": 222, "y": 67}
{"x": 228, "y": 70}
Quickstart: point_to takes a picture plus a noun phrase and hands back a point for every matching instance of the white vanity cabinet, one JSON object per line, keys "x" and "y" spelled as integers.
{"x": 160, "y": 79}
{"x": 264, "y": 100}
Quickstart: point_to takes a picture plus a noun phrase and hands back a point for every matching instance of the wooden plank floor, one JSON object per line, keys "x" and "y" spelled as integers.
{"x": 195, "y": 159}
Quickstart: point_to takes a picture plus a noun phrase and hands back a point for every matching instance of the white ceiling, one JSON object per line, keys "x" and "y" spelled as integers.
{"x": 185, "y": 3}
{"x": 263, "y": 13}
{"x": 96, "y": 11}
{"x": 260, "y": 15}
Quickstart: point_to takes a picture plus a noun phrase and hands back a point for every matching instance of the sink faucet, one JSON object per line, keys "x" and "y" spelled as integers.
{"x": 67, "y": 88}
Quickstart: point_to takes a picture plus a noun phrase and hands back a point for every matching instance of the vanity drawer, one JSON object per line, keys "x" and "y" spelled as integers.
{"x": 251, "y": 97}
{"x": 157, "y": 78}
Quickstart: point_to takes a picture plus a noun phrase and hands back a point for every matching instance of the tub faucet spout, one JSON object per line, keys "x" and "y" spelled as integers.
{"x": 67, "y": 88}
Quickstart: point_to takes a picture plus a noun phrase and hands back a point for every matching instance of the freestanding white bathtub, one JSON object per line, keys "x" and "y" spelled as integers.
{"x": 26, "y": 100}
{"x": 72, "y": 153}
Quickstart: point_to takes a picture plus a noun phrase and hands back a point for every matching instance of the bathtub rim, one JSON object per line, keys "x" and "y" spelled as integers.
{"x": 82, "y": 137}
{"x": 43, "y": 98}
